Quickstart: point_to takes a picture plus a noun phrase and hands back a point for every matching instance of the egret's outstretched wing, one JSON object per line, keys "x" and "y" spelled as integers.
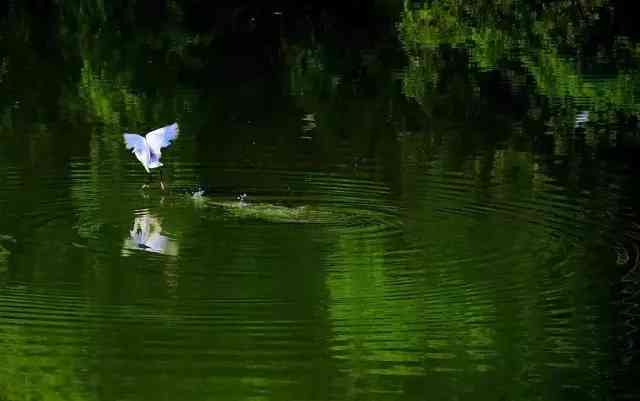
{"x": 135, "y": 142}
{"x": 139, "y": 148}
{"x": 161, "y": 138}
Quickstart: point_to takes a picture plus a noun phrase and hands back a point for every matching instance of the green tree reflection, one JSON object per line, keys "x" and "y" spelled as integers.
{"x": 548, "y": 41}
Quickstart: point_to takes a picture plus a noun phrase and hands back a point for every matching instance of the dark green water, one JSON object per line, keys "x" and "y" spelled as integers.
{"x": 441, "y": 203}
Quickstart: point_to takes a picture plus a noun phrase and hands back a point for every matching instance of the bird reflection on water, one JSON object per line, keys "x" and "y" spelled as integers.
{"x": 146, "y": 235}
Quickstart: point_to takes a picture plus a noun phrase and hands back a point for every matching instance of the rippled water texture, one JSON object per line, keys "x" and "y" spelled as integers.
{"x": 359, "y": 206}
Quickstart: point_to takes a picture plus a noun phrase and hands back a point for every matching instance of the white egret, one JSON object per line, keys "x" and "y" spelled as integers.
{"x": 148, "y": 148}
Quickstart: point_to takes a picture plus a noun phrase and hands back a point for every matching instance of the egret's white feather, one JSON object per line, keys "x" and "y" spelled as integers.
{"x": 135, "y": 142}
{"x": 148, "y": 149}
{"x": 161, "y": 138}
{"x": 139, "y": 147}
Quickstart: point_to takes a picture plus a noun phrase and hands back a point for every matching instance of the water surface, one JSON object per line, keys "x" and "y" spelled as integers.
{"x": 392, "y": 204}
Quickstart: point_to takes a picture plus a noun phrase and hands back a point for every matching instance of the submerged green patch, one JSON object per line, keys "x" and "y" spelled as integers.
{"x": 268, "y": 212}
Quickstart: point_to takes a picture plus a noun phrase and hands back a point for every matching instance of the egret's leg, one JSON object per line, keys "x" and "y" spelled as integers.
{"x": 161, "y": 179}
{"x": 149, "y": 179}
